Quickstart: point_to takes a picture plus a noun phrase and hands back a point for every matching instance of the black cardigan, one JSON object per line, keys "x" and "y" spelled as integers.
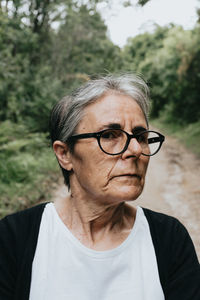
{"x": 178, "y": 265}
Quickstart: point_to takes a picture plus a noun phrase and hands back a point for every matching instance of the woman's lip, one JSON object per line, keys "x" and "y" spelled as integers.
{"x": 130, "y": 175}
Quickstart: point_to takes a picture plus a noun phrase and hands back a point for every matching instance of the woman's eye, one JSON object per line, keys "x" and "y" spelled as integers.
{"x": 110, "y": 134}
{"x": 142, "y": 138}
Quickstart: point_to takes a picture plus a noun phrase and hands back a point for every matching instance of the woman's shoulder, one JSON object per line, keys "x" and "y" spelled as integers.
{"x": 158, "y": 216}
{"x": 20, "y": 223}
{"x": 170, "y": 237}
{"x": 18, "y": 240}
{"x": 24, "y": 214}
{"x": 176, "y": 256}
{"x": 159, "y": 221}
{"x": 166, "y": 230}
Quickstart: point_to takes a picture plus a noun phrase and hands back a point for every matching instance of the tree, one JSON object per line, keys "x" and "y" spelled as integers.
{"x": 81, "y": 46}
{"x": 39, "y": 64}
{"x": 169, "y": 60}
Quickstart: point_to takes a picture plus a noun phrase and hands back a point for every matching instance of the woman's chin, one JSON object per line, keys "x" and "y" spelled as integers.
{"x": 126, "y": 193}
{"x": 127, "y": 189}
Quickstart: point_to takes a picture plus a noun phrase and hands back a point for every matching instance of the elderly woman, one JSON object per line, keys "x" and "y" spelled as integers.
{"x": 94, "y": 245}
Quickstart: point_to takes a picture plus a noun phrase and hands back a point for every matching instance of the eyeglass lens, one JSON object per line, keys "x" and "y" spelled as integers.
{"x": 113, "y": 141}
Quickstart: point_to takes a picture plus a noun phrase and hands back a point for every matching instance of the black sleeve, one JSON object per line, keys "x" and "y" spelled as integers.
{"x": 18, "y": 240}
{"x": 178, "y": 266}
{"x": 184, "y": 272}
{"x": 8, "y": 264}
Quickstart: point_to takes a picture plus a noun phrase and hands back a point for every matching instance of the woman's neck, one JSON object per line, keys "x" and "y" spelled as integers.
{"x": 97, "y": 226}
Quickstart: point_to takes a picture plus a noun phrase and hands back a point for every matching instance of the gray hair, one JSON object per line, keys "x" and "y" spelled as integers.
{"x": 68, "y": 112}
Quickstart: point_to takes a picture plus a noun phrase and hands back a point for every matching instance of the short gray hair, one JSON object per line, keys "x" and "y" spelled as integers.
{"x": 68, "y": 112}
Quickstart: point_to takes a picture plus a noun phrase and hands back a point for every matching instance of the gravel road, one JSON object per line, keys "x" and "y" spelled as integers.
{"x": 172, "y": 187}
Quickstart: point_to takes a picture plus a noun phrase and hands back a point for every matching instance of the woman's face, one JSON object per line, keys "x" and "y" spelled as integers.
{"x": 106, "y": 178}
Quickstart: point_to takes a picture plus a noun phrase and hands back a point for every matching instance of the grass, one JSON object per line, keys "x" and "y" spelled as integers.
{"x": 28, "y": 168}
{"x": 188, "y": 135}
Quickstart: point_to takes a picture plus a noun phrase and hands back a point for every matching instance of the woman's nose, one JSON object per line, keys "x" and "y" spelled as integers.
{"x": 134, "y": 149}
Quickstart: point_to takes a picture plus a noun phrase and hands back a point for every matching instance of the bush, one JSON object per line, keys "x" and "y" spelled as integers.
{"x": 28, "y": 168}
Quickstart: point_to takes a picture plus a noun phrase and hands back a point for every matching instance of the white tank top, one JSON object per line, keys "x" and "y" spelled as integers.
{"x": 63, "y": 268}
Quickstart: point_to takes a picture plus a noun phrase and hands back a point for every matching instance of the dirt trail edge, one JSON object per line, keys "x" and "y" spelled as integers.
{"x": 172, "y": 187}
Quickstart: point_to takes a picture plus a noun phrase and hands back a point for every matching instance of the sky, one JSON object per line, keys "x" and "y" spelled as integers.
{"x": 124, "y": 22}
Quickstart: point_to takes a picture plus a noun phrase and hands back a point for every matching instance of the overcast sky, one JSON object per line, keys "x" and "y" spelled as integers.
{"x": 128, "y": 22}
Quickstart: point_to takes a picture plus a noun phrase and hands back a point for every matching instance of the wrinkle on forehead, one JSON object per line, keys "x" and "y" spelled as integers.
{"x": 112, "y": 108}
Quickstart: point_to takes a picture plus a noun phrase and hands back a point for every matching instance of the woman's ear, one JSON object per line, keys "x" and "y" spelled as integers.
{"x": 63, "y": 155}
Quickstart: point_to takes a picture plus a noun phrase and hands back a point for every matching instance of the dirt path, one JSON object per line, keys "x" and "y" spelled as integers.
{"x": 172, "y": 187}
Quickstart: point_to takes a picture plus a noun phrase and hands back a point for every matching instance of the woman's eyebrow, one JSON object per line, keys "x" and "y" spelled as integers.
{"x": 110, "y": 126}
{"x": 114, "y": 126}
{"x": 138, "y": 129}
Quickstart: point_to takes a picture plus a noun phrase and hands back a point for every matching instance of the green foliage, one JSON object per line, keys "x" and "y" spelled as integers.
{"x": 142, "y": 2}
{"x": 39, "y": 65}
{"x": 86, "y": 50}
{"x": 25, "y": 92}
{"x": 27, "y": 166}
{"x": 128, "y": 3}
{"x": 14, "y": 47}
{"x": 169, "y": 58}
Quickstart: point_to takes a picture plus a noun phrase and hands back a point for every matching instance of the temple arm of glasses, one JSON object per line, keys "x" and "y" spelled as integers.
{"x": 82, "y": 136}
{"x": 155, "y": 140}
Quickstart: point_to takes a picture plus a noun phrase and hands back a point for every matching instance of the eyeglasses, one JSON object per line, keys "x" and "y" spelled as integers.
{"x": 116, "y": 141}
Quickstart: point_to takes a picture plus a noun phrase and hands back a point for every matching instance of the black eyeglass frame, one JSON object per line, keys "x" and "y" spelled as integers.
{"x": 136, "y": 136}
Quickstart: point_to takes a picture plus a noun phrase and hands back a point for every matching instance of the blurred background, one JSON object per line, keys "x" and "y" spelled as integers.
{"x": 48, "y": 47}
